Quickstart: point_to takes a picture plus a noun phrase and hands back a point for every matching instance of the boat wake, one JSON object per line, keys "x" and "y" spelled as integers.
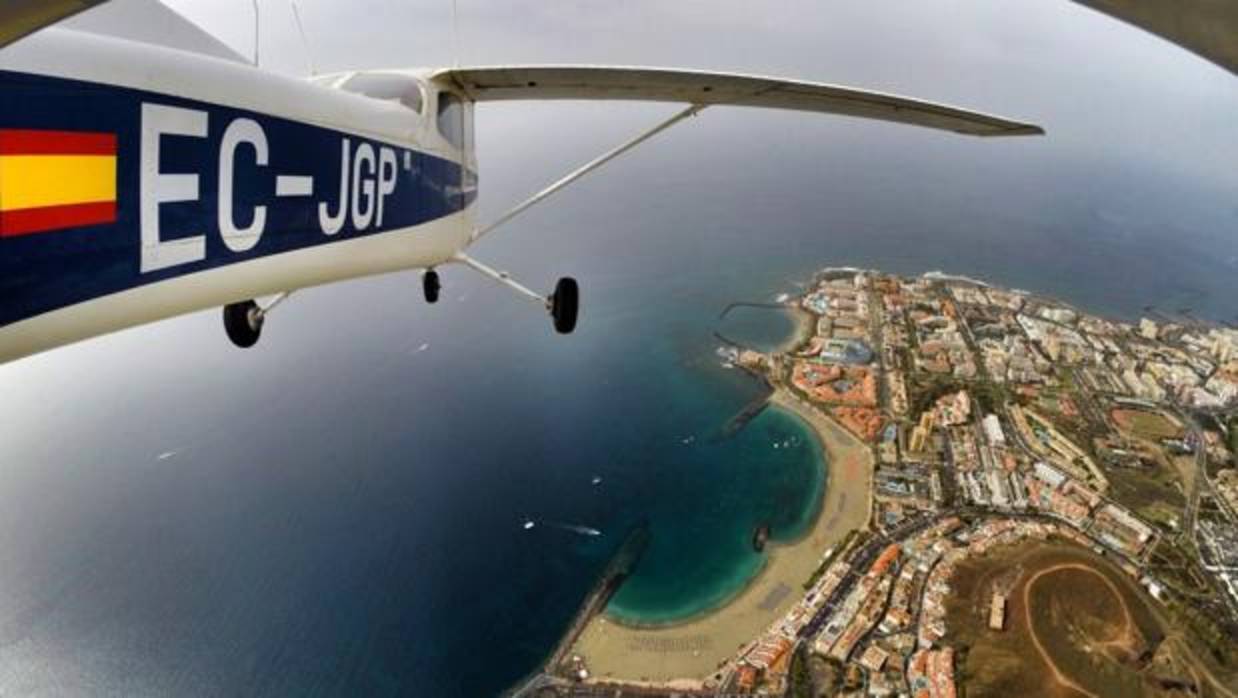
{"x": 574, "y": 528}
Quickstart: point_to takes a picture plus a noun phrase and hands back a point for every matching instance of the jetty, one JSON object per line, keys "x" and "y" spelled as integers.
{"x": 749, "y": 304}
{"x": 555, "y": 671}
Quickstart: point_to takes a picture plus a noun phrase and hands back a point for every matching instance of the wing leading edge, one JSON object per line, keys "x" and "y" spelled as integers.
{"x": 498, "y": 83}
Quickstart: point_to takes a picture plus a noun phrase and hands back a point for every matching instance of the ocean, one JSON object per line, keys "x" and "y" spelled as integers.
{"x": 341, "y": 511}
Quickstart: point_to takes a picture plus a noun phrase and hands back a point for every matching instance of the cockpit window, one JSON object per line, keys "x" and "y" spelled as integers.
{"x": 391, "y": 87}
{"x": 451, "y": 118}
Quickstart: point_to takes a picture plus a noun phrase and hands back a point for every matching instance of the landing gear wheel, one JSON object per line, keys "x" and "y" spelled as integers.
{"x": 565, "y": 305}
{"x": 431, "y": 285}
{"x": 243, "y": 323}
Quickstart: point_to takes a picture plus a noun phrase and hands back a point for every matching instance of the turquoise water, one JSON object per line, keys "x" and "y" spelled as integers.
{"x": 771, "y": 472}
{"x": 665, "y": 462}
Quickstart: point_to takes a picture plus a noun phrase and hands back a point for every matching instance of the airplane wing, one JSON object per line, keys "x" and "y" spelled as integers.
{"x": 543, "y": 82}
{"x": 21, "y": 17}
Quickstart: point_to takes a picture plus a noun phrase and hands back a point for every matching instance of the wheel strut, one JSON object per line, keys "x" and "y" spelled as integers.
{"x": 563, "y": 304}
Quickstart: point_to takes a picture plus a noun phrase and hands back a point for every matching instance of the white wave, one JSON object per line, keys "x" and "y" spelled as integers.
{"x": 939, "y": 275}
{"x": 575, "y": 528}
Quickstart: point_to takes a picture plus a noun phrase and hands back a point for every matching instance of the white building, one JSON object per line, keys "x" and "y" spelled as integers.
{"x": 993, "y": 430}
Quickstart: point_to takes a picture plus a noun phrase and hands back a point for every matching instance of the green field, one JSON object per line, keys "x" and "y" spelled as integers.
{"x": 1154, "y": 492}
{"x": 1178, "y": 569}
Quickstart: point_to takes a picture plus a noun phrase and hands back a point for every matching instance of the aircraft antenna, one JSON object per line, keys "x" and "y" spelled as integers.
{"x": 455, "y": 36}
{"x": 256, "y": 34}
{"x": 309, "y": 55}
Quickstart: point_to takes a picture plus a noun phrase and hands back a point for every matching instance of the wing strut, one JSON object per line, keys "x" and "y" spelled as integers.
{"x": 501, "y": 277}
{"x": 564, "y": 303}
{"x": 585, "y": 169}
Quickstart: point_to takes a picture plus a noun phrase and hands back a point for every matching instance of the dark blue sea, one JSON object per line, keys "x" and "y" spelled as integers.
{"x": 341, "y": 510}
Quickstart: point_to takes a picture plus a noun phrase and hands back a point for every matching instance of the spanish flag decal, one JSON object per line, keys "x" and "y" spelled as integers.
{"x": 53, "y": 180}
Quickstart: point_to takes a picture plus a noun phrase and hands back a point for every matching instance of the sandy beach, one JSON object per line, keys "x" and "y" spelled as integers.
{"x": 805, "y": 328}
{"x": 696, "y": 648}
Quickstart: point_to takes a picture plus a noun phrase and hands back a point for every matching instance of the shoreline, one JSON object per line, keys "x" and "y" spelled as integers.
{"x": 771, "y": 545}
{"x": 805, "y": 327}
{"x": 694, "y": 648}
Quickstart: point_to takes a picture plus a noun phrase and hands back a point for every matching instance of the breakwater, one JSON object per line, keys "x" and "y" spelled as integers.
{"x": 749, "y": 304}
{"x": 558, "y": 665}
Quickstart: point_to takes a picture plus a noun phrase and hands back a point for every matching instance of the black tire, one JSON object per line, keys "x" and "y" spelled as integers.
{"x": 565, "y": 305}
{"x": 431, "y": 286}
{"x": 243, "y": 332}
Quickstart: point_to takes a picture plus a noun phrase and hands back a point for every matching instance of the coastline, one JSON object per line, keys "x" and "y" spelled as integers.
{"x": 805, "y": 327}
{"x": 695, "y": 647}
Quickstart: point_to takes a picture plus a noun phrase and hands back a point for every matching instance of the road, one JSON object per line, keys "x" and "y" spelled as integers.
{"x": 861, "y": 562}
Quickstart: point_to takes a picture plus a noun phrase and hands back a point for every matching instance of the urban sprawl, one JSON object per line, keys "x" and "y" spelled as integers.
{"x": 994, "y": 417}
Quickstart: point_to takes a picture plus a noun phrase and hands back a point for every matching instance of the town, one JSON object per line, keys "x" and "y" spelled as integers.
{"x": 995, "y": 417}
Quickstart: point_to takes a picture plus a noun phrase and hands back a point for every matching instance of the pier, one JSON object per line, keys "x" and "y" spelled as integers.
{"x": 750, "y": 411}
{"x": 754, "y": 407}
{"x": 618, "y": 569}
{"x": 748, "y": 304}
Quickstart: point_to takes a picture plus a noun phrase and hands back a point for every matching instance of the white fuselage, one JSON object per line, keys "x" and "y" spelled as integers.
{"x": 228, "y": 183}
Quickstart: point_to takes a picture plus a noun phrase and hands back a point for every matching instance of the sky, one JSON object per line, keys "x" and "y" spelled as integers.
{"x": 1103, "y": 87}
{"x": 1140, "y": 132}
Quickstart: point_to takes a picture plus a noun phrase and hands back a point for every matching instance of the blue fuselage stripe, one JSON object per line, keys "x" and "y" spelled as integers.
{"x": 387, "y": 187}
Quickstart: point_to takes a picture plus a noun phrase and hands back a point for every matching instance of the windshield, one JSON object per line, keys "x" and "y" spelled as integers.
{"x": 451, "y": 119}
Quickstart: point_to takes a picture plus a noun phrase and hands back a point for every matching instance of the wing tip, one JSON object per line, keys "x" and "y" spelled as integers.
{"x": 1015, "y": 129}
